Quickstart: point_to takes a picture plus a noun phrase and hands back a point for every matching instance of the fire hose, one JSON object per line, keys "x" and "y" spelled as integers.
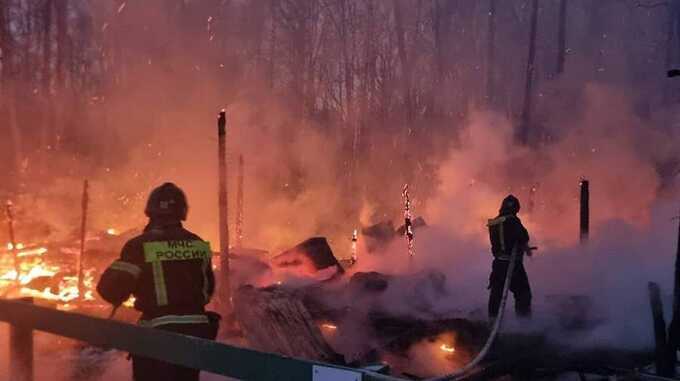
{"x": 494, "y": 331}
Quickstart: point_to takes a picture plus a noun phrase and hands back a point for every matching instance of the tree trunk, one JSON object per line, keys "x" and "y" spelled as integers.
{"x": 595, "y": 37}
{"x": 48, "y": 130}
{"x": 561, "y": 38}
{"x": 405, "y": 64}
{"x": 46, "y": 45}
{"x": 673, "y": 31}
{"x": 441, "y": 23}
{"x": 61, "y": 8}
{"x": 4, "y": 46}
{"x": 491, "y": 53}
{"x": 8, "y": 86}
{"x": 272, "y": 45}
{"x": 15, "y": 133}
{"x": 525, "y": 123}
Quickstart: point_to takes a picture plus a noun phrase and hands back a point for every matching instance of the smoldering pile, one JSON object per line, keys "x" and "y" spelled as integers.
{"x": 330, "y": 314}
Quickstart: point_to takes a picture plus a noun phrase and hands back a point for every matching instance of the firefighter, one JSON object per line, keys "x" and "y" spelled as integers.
{"x": 507, "y": 233}
{"x": 168, "y": 270}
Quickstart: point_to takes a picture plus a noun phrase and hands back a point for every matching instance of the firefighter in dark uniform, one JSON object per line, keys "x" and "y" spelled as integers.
{"x": 507, "y": 233}
{"x": 168, "y": 270}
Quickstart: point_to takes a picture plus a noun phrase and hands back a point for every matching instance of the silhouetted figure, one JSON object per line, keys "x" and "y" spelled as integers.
{"x": 507, "y": 233}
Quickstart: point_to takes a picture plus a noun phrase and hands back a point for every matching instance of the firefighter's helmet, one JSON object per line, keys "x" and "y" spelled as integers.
{"x": 510, "y": 205}
{"x": 167, "y": 201}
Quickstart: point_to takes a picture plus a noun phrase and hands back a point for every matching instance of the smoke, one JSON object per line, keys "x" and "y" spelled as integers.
{"x": 603, "y": 283}
{"x": 155, "y": 123}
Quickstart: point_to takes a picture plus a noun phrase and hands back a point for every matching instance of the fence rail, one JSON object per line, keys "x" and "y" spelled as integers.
{"x": 210, "y": 356}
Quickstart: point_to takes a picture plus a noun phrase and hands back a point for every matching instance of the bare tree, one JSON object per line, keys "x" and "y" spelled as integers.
{"x": 403, "y": 57}
{"x": 525, "y": 125}
{"x": 561, "y": 37}
{"x": 490, "y": 52}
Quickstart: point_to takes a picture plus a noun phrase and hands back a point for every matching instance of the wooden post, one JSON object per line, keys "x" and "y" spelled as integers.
{"x": 239, "y": 204}
{"x": 83, "y": 231}
{"x": 225, "y": 287}
{"x": 664, "y": 367}
{"x": 585, "y": 211}
{"x": 12, "y": 240}
{"x": 21, "y": 351}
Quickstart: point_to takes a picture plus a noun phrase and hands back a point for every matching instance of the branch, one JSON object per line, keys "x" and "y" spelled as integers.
{"x": 652, "y": 5}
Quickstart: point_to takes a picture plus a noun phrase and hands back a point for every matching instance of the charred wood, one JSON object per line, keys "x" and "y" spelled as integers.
{"x": 273, "y": 320}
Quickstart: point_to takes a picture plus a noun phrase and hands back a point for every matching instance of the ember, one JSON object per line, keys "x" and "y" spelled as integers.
{"x": 447, "y": 348}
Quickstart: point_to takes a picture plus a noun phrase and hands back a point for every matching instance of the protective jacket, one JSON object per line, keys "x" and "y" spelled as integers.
{"x": 168, "y": 270}
{"x": 505, "y": 233}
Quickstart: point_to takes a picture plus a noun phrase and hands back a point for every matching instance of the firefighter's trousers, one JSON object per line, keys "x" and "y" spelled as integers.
{"x": 146, "y": 369}
{"x": 519, "y": 285}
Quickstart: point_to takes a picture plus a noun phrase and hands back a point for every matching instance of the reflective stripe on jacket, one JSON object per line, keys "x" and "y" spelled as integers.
{"x": 167, "y": 269}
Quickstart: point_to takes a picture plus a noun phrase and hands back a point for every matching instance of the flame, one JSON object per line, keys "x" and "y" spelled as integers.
{"x": 67, "y": 286}
{"x": 112, "y": 231}
{"x": 11, "y": 247}
{"x": 130, "y": 302}
{"x": 26, "y": 253}
{"x": 447, "y": 348}
{"x": 332, "y": 327}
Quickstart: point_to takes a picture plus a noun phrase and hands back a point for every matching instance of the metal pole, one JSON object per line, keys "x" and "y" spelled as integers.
{"x": 585, "y": 210}
{"x": 83, "y": 230}
{"x": 12, "y": 241}
{"x": 225, "y": 288}
{"x": 21, "y": 351}
{"x": 239, "y": 204}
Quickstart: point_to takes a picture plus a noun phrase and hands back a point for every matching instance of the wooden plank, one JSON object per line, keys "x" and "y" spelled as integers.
{"x": 273, "y": 320}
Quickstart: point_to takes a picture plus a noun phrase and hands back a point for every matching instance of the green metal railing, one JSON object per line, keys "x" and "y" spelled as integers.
{"x": 210, "y": 356}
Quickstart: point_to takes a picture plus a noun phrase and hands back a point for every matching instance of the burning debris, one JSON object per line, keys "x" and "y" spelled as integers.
{"x": 408, "y": 225}
{"x": 379, "y": 235}
{"x": 309, "y": 257}
{"x": 274, "y": 321}
{"x": 52, "y": 271}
